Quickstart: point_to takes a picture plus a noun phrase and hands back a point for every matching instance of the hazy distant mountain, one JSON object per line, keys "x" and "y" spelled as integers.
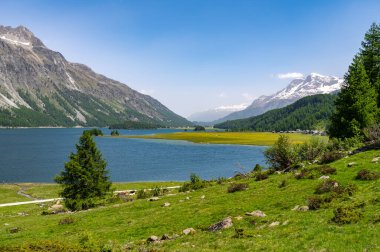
{"x": 216, "y": 113}
{"x": 297, "y": 89}
{"x": 38, "y": 87}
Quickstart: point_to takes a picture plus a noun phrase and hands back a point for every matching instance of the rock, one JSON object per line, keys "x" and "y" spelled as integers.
{"x": 188, "y": 231}
{"x": 324, "y": 177}
{"x": 278, "y": 172}
{"x": 239, "y": 217}
{"x": 165, "y": 237}
{"x": 56, "y": 208}
{"x": 6, "y": 224}
{"x": 14, "y": 230}
{"x": 285, "y": 223}
{"x": 202, "y": 197}
{"x": 22, "y": 214}
{"x": 273, "y": 224}
{"x": 166, "y": 204}
{"x": 174, "y": 236}
{"x": 335, "y": 185}
{"x": 301, "y": 208}
{"x": 351, "y": 164}
{"x": 181, "y": 200}
{"x": 153, "y": 199}
{"x": 226, "y": 223}
{"x": 187, "y": 198}
{"x": 375, "y": 160}
{"x": 152, "y": 238}
{"x": 256, "y": 213}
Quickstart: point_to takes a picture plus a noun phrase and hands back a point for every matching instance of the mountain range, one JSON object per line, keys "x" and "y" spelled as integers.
{"x": 39, "y": 87}
{"x": 298, "y": 88}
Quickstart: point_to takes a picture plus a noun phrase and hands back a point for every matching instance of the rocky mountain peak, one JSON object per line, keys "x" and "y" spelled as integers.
{"x": 19, "y": 36}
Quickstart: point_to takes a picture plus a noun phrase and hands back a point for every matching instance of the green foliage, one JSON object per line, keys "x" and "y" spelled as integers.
{"x": 312, "y": 149}
{"x": 358, "y": 102}
{"x": 85, "y": 178}
{"x": 346, "y": 214}
{"x": 195, "y": 183}
{"x": 257, "y": 168}
{"x": 66, "y": 220}
{"x": 307, "y": 113}
{"x": 261, "y": 176}
{"x": 115, "y": 133}
{"x": 94, "y": 132}
{"x": 199, "y": 128}
{"x": 142, "y": 194}
{"x": 367, "y": 175}
{"x": 136, "y": 125}
{"x": 331, "y": 156}
{"x": 283, "y": 183}
{"x": 236, "y": 187}
{"x": 282, "y": 155}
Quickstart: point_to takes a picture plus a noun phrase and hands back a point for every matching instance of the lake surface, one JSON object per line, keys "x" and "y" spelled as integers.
{"x": 37, "y": 155}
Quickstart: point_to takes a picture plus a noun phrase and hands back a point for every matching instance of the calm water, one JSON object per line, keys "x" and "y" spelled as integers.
{"x": 37, "y": 155}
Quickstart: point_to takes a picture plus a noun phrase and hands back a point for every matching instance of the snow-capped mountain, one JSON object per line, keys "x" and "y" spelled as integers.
{"x": 297, "y": 89}
{"x": 210, "y": 115}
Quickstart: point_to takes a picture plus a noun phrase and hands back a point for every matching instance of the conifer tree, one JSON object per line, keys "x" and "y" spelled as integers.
{"x": 356, "y": 106}
{"x": 85, "y": 177}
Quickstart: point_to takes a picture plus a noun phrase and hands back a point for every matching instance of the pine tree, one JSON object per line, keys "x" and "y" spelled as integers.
{"x": 85, "y": 178}
{"x": 370, "y": 53}
{"x": 356, "y": 106}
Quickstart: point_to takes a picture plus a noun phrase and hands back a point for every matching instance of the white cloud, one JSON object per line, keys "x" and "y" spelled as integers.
{"x": 290, "y": 75}
{"x": 222, "y": 95}
{"x": 231, "y": 108}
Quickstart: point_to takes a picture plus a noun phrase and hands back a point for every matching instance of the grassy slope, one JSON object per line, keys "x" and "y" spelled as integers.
{"x": 133, "y": 222}
{"x": 247, "y": 138}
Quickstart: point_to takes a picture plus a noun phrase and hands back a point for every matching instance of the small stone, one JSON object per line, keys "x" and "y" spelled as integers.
{"x": 351, "y": 164}
{"x": 14, "y": 230}
{"x": 22, "y": 214}
{"x": 187, "y": 198}
{"x": 188, "y": 231}
{"x": 273, "y": 224}
{"x": 324, "y": 177}
{"x": 166, "y": 204}
{"x": 226, "y": 223}
{"x": 152, "y": 238}
{"x": 376, "y": 159}
{"x": 256, "y": 213}
{"x": 335, "y": 185}
{"x": 295, "y": 208}
{"x": 174, "y": 236}
{"x": 202, "y": 197}
{"x": 301, "y": 208}
{"x": 153, "y": 199}
{"x": 239, "y": 217}
{"x": 6, "y": 224}
{"x": 285, "y": 223}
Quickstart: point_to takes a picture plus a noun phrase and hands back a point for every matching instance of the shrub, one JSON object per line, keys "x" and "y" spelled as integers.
{"x": 195, "y": 183}
{"x": 326, "y": 186}
{"x": 115, "y": 133}
{"x": 257, "y": 168}
{"x": 346, "y": 215}
{"x": 311, "y": 150}
{"x": 331, "y": 156}
{"x": 326, "y": 170}
{"x": 261, "y": 176}
{"x": 199, "y": 128}
{"x": 156, "y": 191}
{"x": 283, "y": 183}
{"x": 307, "y": 173}
{"x": 282, "y": 155}
{"x": 315, "y": 202}
{"x": 142, "y": 194}
{"x": 372, "y": 133}
{"x": 221, "y": 180}
{"x": 235, "y": 187}
{"x": 367, "y": 175}
{"x": 66, "y": 220}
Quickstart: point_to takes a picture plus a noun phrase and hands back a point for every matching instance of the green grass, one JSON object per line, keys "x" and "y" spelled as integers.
{"x": 8, "y": 193}
{"x": 133, "y": 222}
{"x": 245, "y": 138}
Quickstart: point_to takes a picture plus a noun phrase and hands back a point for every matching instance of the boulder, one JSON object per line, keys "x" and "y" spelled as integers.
{"x": 165, "y": 237}
{"x": 273, "y": 224}
{"x": 152, "y": 238}
{"x": 153, "y": 199}
{"x": 56, "y": 208}
{"x": 226, "y": 223}
{"x": 256, "y": 213}
{"x": 188, "y": 231}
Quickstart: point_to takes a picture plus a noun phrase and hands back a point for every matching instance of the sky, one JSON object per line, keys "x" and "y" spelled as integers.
{"x": 196, "y": 55}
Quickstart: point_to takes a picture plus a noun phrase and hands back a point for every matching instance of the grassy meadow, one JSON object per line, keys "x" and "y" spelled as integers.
{"x": 127, "y": 225}
{"x": 244, "y": 138}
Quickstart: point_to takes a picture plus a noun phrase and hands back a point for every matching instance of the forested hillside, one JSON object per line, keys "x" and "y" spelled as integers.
{"x": 311, "y": 112}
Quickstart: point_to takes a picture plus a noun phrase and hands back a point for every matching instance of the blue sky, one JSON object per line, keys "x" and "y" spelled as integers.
{"x": 195, "y": 55}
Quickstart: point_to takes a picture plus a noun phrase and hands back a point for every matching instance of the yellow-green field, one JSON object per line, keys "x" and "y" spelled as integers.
{"x": 246, "y": 138}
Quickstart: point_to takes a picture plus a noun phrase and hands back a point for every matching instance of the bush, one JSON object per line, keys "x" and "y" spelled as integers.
{"x": 156, "y": 191}
{"x": 282, "y": 155}
{"x": 307, "y": 173}
{"x": 326, "y": 186}
{"x": 313, "y": 149}
{"x": 372, "y": 133}
{"x": 221, "y": 180}
{"x": 142, "y": 194}
{"x": 195, "y": 183}
{"x": 315, "y": 202}
{"x": 283, "y": 183}
{"x": 367, "y": 175}
{"x": 235, "y": 187}
{"x": 331, "y": 156}
{"x": 67, "y": 220}
{"x": 261, "y": 176}
{"x": 346, "y": 215}
{"x": 115, "y": 133}
{"x": 199, "y": 128}
{"x": 257, "y": 168}
{"x": 326, "y": 170}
